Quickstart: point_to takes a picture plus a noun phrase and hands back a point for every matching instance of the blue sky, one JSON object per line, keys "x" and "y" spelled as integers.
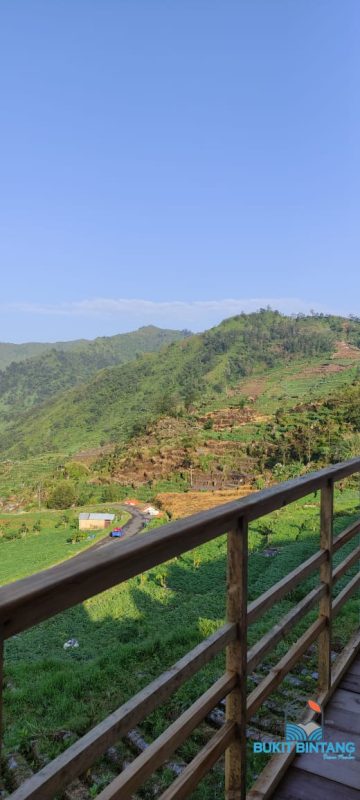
{"x": 176, "y": 162}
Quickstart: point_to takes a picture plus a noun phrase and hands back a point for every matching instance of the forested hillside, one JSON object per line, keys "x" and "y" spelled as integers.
{"x": 24, "y": 383}
{"x": 118, "y": 403}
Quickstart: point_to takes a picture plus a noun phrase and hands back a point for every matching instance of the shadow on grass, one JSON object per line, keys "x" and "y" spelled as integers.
{"x": 127, "y": 637}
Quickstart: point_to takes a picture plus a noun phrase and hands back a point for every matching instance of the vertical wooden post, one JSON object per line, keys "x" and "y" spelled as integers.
{"x": 326, "y": 539}
{"x": 1, "y": 688}
{"x": 236, "y": 659}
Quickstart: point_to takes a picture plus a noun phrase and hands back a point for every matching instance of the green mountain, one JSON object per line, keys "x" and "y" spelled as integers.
{"x": 20, "y": 352}
{"x": 10, "y": 352}
{"x": 25, "y": 383}
{"x": 199, "y": 372}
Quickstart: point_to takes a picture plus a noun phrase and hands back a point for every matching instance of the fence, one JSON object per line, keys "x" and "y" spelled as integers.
{"x": 27, "y": 602}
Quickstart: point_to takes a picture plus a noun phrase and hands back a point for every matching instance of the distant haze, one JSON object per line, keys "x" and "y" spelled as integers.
{"x": 107, "y": 317}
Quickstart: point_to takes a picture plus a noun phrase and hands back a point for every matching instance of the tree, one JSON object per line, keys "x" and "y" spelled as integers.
{"x": 62, "y": 496}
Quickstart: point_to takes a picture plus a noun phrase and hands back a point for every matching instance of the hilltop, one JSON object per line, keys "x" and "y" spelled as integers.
{"x": 259, "y": 395}
{"x": 256, "y": 399}
{"x": 38, "y": 372}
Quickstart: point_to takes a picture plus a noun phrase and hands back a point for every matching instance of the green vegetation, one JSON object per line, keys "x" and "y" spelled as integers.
{"x": 260, "y": 395}
{"x": 39, "y": 375}
{"x": 33, "y": 541}
{"x": 130, "y": 634}
{"x": 291, "y": 384}
{"x": 119, "y": 402}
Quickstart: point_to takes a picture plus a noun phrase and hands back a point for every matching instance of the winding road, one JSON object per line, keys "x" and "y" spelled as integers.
{"x": 131, "y": 527}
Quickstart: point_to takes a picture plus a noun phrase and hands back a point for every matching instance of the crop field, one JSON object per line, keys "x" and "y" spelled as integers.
{"x": 298, "y": 383}
{"x": 16, "y": 475}
{"x": 133, "y": 632}
{"x": 30, "y": 542}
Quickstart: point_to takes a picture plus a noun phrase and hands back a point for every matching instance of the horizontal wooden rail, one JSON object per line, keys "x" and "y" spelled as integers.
{"x": 285, "y": 585}
{"x": 286, "y": 624}
{"x": 346, "y": 535}
{"x": 34, "y": 599}
{"x": 201, "y": 764}
{"x": 271, "y": 775}
{"x": 348, "y": 562}
{"x": 29, "y": 601}
{"x": 123, "y": 787}
{"x": 277, "y": 673}
{"x": 345, "y": 594}
{"x": 52, "y": 778}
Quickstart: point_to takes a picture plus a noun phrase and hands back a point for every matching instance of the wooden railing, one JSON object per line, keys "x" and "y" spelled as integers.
{"x": 27, "y": 602}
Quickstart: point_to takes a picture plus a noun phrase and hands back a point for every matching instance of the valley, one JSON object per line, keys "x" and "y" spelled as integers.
{"x": 207, "y": 419}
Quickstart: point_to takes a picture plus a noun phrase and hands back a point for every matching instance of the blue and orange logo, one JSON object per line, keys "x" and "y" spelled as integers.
{"x": 308, "y": 738}
{"x": 311, "y": 732}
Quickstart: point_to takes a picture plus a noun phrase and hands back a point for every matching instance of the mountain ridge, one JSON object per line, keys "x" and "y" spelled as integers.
{"x": 33, "y": 380}
{"x": 118, "y": 402}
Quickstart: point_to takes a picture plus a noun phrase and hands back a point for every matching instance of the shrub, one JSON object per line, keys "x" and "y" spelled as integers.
{"x": 62, "y": 496}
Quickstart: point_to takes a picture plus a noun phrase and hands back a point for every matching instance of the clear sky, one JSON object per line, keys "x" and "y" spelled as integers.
{"x": 175, "y": 162}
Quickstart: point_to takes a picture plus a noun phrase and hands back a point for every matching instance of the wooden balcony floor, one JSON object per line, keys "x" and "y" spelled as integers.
{"x": 310, "y": 777}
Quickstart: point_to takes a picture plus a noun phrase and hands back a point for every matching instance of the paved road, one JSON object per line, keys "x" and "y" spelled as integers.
{"x": 131, "y": 528}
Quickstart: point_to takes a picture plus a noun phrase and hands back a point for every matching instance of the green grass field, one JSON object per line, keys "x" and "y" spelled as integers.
{"x": 35, "y": 550}
{"x": 131, "y": 633}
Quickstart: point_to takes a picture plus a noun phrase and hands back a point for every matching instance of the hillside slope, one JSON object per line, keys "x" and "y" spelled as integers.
{"x": 25, "y": 383}
{"x": 15, "y": 353}
{"x": 119, "y": 402}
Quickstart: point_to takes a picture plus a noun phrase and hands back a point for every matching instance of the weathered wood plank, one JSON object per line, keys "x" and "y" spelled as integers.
{"x": 348, "y": 562}
{"x": 351, "y": 680}
{"x": 354, "y": 668}
{"x": 201, "y": 764}
{"x": 278, "y": 672}
{"x": 123, "y": 787}
{"x": 345, "y": 594}
{"x": 236, "y": 660}
{"x": 343, "y": 711}
{"x": 345, "y": 773}
{"x": 346, "y": 535}
{"x": 271, "y": 775}
{"x": 31, "y": 600}
{"x": 350, "y": 683}
{"x": 344, "y": 662}
{"x": 298, "y": 785}
{"x": 286, "y": 624}
{"x": 325, "y": 609}
{"x": 1, "y": 688}
{"x": 81, "y": 755}
{"x": 284, "y": 586}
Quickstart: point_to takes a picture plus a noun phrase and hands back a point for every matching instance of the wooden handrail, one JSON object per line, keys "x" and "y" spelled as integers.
{"x": 52, "y": 778}
{"x": 348, "y": 562}
{"x": 345, "y": 594}
{"x": 284, "y": 626}
{"x": 29, "y": 601}
{"x": 346, "y": 535}
{"x": 277, "y": 673}
{"x": 201, "y": 764}
{"x": 284, "y": 586}
{"x": 123, "y": 787}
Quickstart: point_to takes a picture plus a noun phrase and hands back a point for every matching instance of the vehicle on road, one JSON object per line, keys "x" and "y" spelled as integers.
{"x": 117, "y": 533}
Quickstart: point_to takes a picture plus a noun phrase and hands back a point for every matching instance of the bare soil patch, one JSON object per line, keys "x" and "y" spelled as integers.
{"x": 322, "y": 369}
{"x": 347, "y": 351}
{"x": 184, "y": 504}
{"x": 253, "y": 387}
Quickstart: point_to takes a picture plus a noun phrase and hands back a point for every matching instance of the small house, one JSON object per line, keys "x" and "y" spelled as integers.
{"x": 92, "y": 522}
{"x": 151, "y": 511}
